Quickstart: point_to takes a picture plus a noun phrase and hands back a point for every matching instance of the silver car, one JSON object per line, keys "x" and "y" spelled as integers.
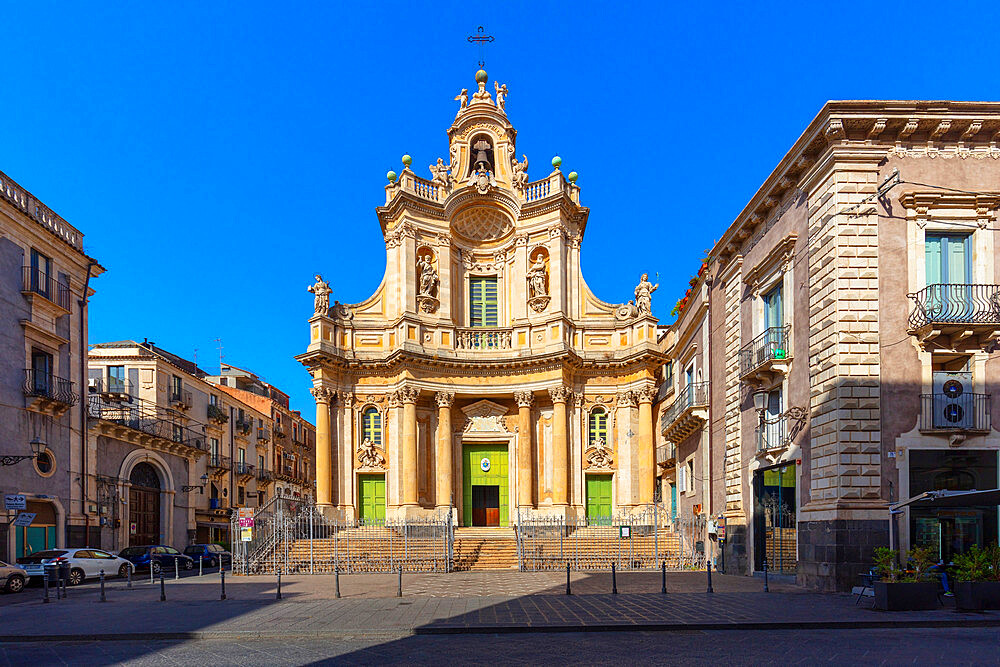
{"x": 12, "y": 578}
{"x": 84, "y": 563}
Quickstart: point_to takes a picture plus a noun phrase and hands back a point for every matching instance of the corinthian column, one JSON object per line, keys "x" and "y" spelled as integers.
{"x": 324, "y": 445}
{"x": 646, "y": 459}
{"x": 408, "y": 474}
{"x": 525, "y": 471}
{"x": 442, "y": 494}
{"x": 560, "y": 451}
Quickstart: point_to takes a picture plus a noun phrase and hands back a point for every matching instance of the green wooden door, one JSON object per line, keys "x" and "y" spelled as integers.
{"x": 485, "y": 465}
{"x": 599, "y": 498}
{"x": 371, "y": 497}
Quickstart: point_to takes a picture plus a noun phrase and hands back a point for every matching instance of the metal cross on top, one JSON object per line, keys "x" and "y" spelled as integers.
{"x": 481, "y": 39}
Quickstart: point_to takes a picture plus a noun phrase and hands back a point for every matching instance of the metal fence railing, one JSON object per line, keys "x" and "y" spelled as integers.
{"x": 293, "y": 536}
{"x": 771, "y": 345}
{"x": 636, "y": 541}
{"x": 694, "y": 395}
{"x": 955, "y": 304}
{"x": 955, "y": 412}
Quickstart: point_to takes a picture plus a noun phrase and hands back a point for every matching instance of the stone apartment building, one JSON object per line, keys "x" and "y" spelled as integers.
{"x": 837, "y": 350}
{"x": 45, "y": 277}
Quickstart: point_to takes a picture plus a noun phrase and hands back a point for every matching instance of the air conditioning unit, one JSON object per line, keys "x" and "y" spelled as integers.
{"x": 93, "y": 384}
{"x": 954, "y": 406}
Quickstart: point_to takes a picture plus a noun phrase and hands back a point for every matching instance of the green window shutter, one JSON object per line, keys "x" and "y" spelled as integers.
{"x": 371, "y": 426}
{"x": 483, "y": 302}
{"x": 598, "y": 426}
{"x": 932, "y": 252}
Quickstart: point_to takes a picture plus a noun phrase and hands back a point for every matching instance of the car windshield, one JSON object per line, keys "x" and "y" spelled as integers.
{"x": 133, "y": 551}
{"x": 192, "y": 550}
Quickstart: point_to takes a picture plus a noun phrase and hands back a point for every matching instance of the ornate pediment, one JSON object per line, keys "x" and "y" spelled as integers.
{"x": 485, "y": 416}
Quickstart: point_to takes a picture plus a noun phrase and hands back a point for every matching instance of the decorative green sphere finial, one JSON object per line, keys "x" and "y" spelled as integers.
{"x": 391, "y": 176}
{"x": 556, "y": 162}
{"x": 481, "y": 76}
{"x": 572, "y": 176}
{"x": 407, "y": 160}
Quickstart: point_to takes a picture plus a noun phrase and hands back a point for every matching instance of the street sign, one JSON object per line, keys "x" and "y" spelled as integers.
{"x": 246, "y": 534}
{"x": 246, "y": 522}
{"x": 132, "y": 529}
{"x": 14, "y": 501}
{"x": 244, "y": 512}
{"x": 624, "y": 532}
{"x": 24, "y": 519}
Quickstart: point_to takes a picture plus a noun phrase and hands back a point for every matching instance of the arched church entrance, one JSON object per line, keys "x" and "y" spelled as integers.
{"x": 144, "y": 506}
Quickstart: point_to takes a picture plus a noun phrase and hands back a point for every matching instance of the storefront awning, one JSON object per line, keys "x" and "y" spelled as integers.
{"x": 944, "y": 499}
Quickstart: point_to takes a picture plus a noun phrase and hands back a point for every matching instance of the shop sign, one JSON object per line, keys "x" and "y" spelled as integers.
{"x": 24, "y": 519}
{"x": 246, "y": 534}
{"x": 14, "y": 501}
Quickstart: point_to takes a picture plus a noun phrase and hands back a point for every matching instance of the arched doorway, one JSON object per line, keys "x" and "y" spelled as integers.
{"x": 144, "y": 506}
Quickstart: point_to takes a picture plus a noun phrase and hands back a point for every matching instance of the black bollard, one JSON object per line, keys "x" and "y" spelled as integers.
{"x": 663, "y": 588}
{"x": 163, "y": 589}
{"x": 129, "y": 575}
{"x": 568, "y": 592}
{"x": 614, "y": 581}
{"x": 222, "y": 574}
{"x": 65, "y": 583}
{"x": 278, "y": 596}
{"x": 45, "y": 582}
{"x": 336, "y": 581}
{"x": 765, "y": 576}
{"x": 177, "y": 568}
{"x": 709, "y": 570}
{"x": 399, "y": 591}
{"x": 103, "y": 597}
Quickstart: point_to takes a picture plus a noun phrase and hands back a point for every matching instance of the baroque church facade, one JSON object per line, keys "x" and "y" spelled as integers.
{"x": 483, "y": 376}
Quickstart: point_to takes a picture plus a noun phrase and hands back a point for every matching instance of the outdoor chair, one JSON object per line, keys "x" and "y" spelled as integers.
{"x": 867, "y": 582}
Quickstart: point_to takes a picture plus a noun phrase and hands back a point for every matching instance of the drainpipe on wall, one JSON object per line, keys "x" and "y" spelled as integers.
{"x": 83, "y": 408}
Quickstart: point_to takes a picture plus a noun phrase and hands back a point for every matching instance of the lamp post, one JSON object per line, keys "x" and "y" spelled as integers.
{"x": 187, "y": 488}
{"x": 37, "y": 447}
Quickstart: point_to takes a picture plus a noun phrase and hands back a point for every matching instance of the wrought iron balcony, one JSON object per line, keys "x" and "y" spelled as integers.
{"x": 243, "y": 427}
{"x": 217, "y": 414}
{"x": 244, "y": 469}
{"x": 112, "y": 388}
{"x": 180, "y": 399}
{"x": 48, "y": 388}
{"x": 264, "y": 475}
{"x": 263, "y": 433}
{"x": 772, "y": 434}
{"x": 477, "y": 338}
{"x": 965, "y": 314}
{"x": 279, "y": 432}
{"x": 36, "y": 281}
{"x": 146, "y": 419}
{"x": 223, "y": 462}
{"x": 687, "y": 413}
{"x": 666, "y": 455}
{"x": 951, "y": 412}
{"x": 766, "y": 354}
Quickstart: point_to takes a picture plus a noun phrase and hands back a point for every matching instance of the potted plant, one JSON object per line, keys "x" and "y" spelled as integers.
{"x": 905, "y": 589}
{"x": 977, "y": 578}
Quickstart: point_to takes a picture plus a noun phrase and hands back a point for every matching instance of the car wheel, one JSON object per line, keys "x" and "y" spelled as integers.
{"x": 212, "y": 562}
{"x": 123, "y": 571}
{"x": 189, "y": 564}
{"x": 15, "y": 583}
{"x": 156, "y": 567}
{"x": 76, "y": 577}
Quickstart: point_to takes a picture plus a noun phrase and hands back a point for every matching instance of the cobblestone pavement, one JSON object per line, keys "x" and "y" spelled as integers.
{"x": 955, "y": 646}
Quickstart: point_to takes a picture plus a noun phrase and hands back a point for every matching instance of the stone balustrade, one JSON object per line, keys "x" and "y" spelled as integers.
{"x": 42, "y": 214}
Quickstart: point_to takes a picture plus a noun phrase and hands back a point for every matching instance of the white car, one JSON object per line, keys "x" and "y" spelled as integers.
{"x": 84, "y": 563}
{"x": 12, "y": 578}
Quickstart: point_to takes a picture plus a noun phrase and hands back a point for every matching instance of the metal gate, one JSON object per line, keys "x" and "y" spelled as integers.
{"x": 294, "y": 537}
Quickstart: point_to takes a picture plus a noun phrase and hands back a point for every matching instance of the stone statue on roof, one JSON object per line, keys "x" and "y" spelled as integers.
{"x": 440, "y": 173}
{"x": 321, "y": 302}
{"x": 501, "y": 95}
{"x": 463, "y": 97}
{"x": 644, "y": 295}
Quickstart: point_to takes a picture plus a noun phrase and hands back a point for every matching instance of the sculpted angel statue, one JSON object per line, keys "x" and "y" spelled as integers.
{"x": 428, "y": 276}
{"x": 321, "y": 302}
{"x": 501, "y": 95}
{"x": 369, "y": 456}
{"x": 440, "y": 173}
{"x": 536, "y": 278}
{"x": 644, "y": 293}
{"x": 463, "y": 97}
{"x": 520, "y": 169}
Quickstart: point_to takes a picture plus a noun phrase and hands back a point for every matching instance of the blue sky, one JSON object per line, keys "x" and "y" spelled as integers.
{"x": 217, "y": 155}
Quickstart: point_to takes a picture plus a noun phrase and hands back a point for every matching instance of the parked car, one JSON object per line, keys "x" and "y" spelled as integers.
{"x": 156, "y": 556}
{"x": 83, "y": 563}
{"x": 210, "y": 554}
{"x": 12, "y": 577}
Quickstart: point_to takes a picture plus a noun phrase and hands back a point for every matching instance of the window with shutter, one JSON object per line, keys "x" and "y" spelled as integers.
{"x": 483, "y": 302}
{"x": 371, "y": 426}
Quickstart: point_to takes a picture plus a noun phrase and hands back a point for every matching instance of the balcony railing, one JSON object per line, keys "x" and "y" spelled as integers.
{"x": 142, "y": 416}
{"x": 949, "y": 412}
{"x": 243, "y": 427}
{"x": 666, "y": 454}
{"x": 217, "y": 414}
{"x": 483, "y": 339}
{"x": 39, "y": 384}
{"x": 772, "y": 433}
{"x": 263, "y": 433}
{"x": 771, "y": 345}
{"x": 182, "y": 399}
{"x": 421, "y": 187}
{"x": 279, "y": 432}
{"x": 111, "y": 386}
{"x": 216, "y": 461}
{"x": 694, "y": 395}
{"x": 41, "y": 213}
{"x": 244, "y": 468}
{"x": 39, "y": 282}
{"x": 264, "y": 475}
{"x": 956, "y": 304}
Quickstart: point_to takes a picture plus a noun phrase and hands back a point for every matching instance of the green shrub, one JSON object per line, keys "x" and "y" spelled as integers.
{"x": 978, "y": 564}
{"x": 885, "y": 562}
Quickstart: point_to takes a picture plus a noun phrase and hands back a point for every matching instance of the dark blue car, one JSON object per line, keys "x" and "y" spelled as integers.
{"x": 158, "y": 557}
{"x": 210, "y": 554}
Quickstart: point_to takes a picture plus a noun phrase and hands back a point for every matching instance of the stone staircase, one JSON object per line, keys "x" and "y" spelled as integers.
{"x": 480, "y": 548}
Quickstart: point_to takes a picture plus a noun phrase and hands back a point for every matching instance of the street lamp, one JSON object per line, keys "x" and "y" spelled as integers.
{"x": 37, "y": 447}
{"x": 201, "y": 487}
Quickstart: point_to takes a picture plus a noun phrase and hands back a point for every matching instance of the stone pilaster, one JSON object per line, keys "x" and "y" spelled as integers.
{"x": 408, "y": 458}
{"x": 646, "y": 456}
{"x": 324, "y": 445}
{"x": 560, "y": 450}
{"x": 525, "y": 469}
{"x": 444, "y": 464}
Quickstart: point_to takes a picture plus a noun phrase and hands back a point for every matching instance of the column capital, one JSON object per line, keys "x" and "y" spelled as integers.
{"x": 408, "y": 394}
{"x": 346, "y": 398}
{"x": 524, "y": 398}
{"x": 578, "y": 399}
{"x": 323, "y": 394}
{"x": 445, "y": 399}
{"x": 626, "y": 399}
{"x": 645, "y": 394}
{"x": 560, "y": 394}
